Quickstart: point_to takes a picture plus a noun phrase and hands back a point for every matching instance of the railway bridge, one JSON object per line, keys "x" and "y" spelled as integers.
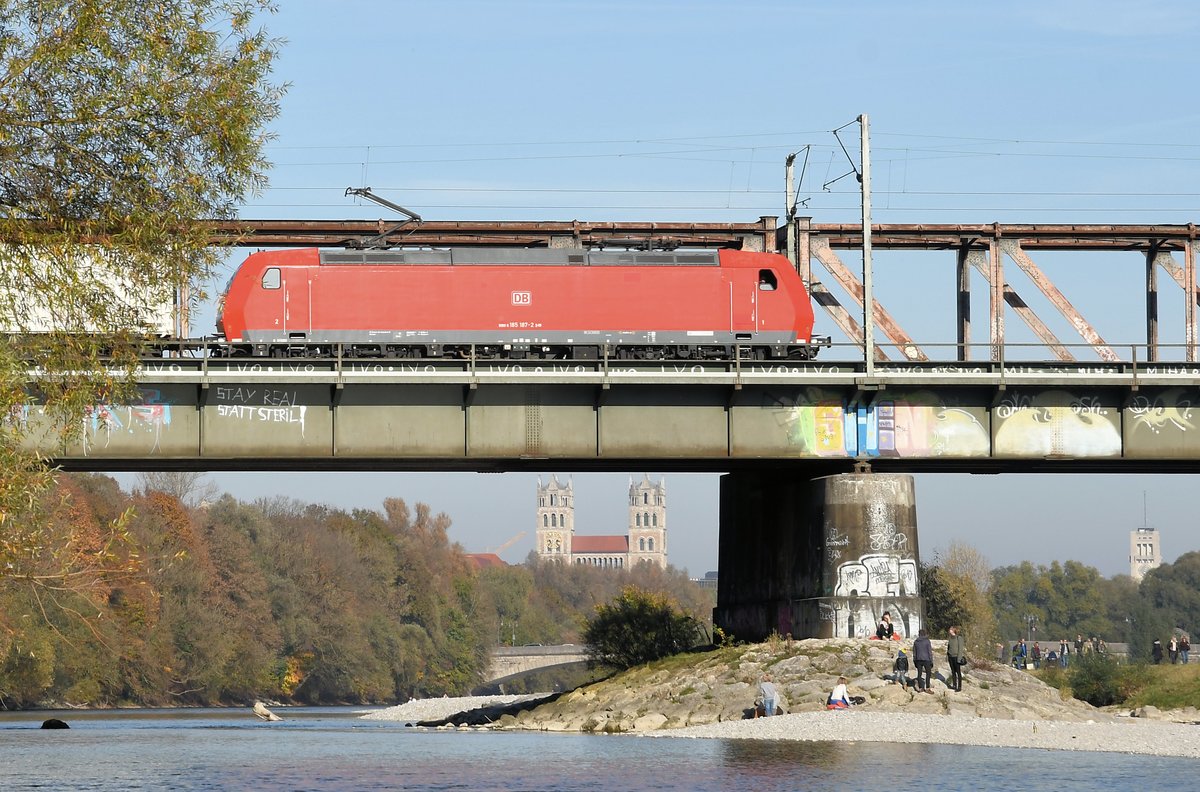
{"x": 817, "y": 526}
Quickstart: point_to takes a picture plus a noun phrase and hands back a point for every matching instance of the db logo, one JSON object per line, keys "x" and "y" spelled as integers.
{"x": 522, "y": 298}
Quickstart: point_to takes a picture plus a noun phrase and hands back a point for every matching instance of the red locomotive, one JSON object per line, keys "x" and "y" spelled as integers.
{"x": 517, "y": 303}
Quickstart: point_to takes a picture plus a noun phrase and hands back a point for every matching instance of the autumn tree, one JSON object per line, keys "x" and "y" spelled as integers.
{"x": 123, "y": 125}
{"x": 189, "y": 487}
{"x": 955, "y": 587}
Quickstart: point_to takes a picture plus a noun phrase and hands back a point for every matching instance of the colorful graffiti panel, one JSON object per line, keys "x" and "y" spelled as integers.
{"x": 819, "y": 422}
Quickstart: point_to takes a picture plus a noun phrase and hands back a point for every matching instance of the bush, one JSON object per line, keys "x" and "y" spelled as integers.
{"x": 1097, "y": 679}
{"x": 637, "y": 627}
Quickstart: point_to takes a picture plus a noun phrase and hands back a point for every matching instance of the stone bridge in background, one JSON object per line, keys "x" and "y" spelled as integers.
{"x": 509, "y": 661}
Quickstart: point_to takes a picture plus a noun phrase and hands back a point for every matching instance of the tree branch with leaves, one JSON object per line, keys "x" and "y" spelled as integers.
{"x": 124, "y": 125}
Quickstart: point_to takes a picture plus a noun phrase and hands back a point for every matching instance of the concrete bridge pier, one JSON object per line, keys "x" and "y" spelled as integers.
{"x": 817, "y": 558}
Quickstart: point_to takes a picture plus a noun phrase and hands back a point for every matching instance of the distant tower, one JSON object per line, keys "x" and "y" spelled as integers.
{"x": 1145, "y": 552}
{"x": 555, "y": 519}
{"x": 647, "y": 522}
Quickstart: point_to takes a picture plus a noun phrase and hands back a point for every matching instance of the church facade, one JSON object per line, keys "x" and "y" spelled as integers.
{"x": 645, "y": 539}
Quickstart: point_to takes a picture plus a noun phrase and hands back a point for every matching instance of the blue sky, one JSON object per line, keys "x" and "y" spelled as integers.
{"x": 656, "y": 110}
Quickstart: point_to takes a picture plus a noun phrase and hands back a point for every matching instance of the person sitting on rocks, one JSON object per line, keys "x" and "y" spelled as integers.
{"x": 885, "y": 630}
{"x": 839, "y": 698}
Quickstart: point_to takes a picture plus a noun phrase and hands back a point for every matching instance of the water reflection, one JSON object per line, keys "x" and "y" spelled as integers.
{"x": 332, "y": 749}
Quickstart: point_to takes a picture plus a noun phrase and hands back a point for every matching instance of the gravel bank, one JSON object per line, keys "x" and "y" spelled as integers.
{"x": 1123, "y": 735}
{"x": 1126, "y": 735}
{"x": 419, "y": 710}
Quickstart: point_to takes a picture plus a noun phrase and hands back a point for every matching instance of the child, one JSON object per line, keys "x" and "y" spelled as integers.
{"x": 900, "y": 669}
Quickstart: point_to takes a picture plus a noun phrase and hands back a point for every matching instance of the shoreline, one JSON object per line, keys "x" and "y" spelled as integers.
{"x": 1108, "y": 734}
{"x": 1122, "y": 735}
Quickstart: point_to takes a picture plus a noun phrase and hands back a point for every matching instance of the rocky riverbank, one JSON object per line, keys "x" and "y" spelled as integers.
{"x": 712, "y": 694}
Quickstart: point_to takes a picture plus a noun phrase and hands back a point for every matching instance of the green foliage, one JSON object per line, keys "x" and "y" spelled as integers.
{"x": 1065, "y": 599}
{"x": 1165, "y": 686}
{"x": 124, "y": 126}
{"x": 637, "y": 627}
{"x": 942, "y": 608}
{"x": 1097, "y": 679}
{"x": 1172, "y": 592}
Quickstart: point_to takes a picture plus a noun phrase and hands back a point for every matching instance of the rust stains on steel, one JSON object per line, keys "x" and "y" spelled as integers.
{"x": 288, "y": 233}
{"x": 761, "y": 234}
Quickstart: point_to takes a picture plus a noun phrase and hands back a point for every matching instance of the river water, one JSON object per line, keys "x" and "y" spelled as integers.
{"x": 330, "y": 748}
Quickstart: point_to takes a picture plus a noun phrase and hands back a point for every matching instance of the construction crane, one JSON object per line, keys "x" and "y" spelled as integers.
{"x": 508, "y": 544}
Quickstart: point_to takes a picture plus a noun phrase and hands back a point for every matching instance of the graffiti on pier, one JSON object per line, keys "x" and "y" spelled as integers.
{"x": 835, "y": 543}
{"x": 877, "y": 575}
{"x": 882, "y": 535}
{"x": 858, "y": 617}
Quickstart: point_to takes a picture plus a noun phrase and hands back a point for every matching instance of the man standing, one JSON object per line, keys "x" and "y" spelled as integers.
{"x": 1062, "y": 653}
{"x": 956, "y": 654}
{"x": 1019, "y": 653}
{"x": 923, "y": 659}
{"x": 766, "y": 689}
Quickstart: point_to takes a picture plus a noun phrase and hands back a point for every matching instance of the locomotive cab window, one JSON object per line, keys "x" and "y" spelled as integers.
{"x": 271, "y": 278}
{"x": 767, "y": 280}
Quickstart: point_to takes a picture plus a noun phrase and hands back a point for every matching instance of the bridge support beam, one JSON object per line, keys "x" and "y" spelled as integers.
{"x": 817, "y": 558}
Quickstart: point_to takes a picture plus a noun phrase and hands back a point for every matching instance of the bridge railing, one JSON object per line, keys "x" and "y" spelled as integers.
{"x": 1024, "y": 363}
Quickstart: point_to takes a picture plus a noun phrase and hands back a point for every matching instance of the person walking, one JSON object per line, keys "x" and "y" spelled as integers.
{"x": 1173, "y": 650}
{"x": 956, "y": 654}
{"x": 1156, "y": 652}
{"x": 1035, "y": 654}
{"x": 923, "y": 659}
{"x": 1063, "y": 648}
{"x": 1185, "y": 646}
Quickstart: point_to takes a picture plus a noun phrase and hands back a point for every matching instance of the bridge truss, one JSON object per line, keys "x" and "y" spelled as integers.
{"x": 983, "y": 248}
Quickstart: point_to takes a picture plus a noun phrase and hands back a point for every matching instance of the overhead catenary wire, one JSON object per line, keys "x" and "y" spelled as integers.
{"x": 724, "y": 149}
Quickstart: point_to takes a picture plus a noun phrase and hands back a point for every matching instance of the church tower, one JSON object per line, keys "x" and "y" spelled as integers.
{"x": 555, "y": 520}
{"x": 647, "y": 522}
